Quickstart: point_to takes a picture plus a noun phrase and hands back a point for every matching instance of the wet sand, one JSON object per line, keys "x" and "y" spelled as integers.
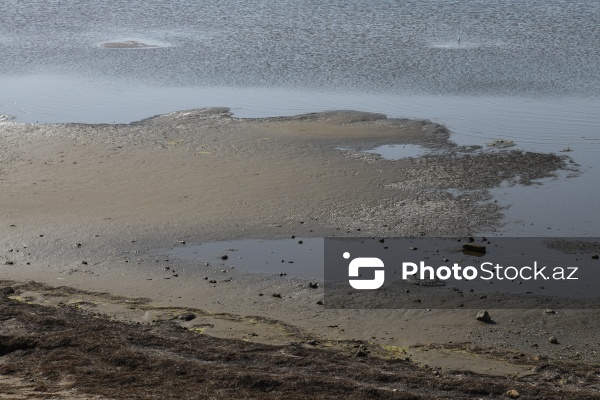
{"x": 97, "y": 208}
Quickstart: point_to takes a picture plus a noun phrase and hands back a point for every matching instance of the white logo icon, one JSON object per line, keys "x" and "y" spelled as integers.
{"x": 365, "y": 262}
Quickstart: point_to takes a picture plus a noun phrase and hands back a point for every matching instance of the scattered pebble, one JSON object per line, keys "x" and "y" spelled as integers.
{"x": 313, "y": 285}
{"x": 276, "y": 295}
{"x": 549, "y": 311}
{"x": 513, "y": 394}
{"x": 320, "y": 303}
{"x": 225, "y": 257}
{"x": 360, "y": 353}
{"x": 553, "y": 340}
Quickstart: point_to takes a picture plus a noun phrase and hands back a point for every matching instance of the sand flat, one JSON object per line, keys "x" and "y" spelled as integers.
{"x": 97, "y": 207}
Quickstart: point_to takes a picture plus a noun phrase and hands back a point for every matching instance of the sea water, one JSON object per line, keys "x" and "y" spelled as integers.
{"x": 526, "y": 71}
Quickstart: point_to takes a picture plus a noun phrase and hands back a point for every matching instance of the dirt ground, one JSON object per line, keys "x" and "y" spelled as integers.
{"x": 49, "y": 352}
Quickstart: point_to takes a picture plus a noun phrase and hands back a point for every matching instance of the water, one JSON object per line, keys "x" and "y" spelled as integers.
{"x": 525, "y": 71}
{"x": 298, "y": 258}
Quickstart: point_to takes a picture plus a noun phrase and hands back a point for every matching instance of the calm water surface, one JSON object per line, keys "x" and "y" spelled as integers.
{"x": 527, "y": 71}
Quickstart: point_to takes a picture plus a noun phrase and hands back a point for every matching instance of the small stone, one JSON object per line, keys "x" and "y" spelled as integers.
{"x": 312, "y": 342}
{"x": 360, "y": 353}
{"x": 187, "y": 316}
{"x": 225, "y": 257}
{"x": 7, "y": 291}
{"x": 206, "y": 264}
{"x": 278, "y": 295}
{"x": 320, "y": 303}
{"x": 549, "y": 311}
{"x": 595, "y": 256}
{"x": 513, "y": 394}
{"x": 553, "y": 340}
{"x": 475, "y": 248}
{"x": 182, "y": 242}
{"x": 313, "y": 285}
{"x": 84, "y": 263}
{"x": 483, "y": 316}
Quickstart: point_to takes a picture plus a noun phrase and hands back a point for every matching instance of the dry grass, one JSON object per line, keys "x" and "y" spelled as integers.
{"x": 66, "y": 350}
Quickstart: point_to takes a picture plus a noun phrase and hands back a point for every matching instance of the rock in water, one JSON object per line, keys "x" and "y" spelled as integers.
{"x": 484, "y": 316}
{"x": 475, "y": 248}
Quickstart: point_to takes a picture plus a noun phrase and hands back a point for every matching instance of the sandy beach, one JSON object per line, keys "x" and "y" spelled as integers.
{"x": 89, "y": 214}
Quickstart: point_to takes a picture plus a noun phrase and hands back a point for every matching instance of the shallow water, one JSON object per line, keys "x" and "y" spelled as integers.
{"x": 297, "y": 258}
{"x": 524, "y": 71}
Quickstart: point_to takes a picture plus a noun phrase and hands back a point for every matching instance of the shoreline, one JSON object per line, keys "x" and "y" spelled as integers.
{"x": 91, "y": 206}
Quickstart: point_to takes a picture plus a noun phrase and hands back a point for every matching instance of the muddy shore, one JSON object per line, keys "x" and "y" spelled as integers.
{"x": 96, "y": 208}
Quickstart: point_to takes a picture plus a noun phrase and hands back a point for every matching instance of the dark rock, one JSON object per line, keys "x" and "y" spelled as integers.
{"x": 549, "y": 311}
{"x": 553, "y": 340}
{"x": 595, "y": 256}
{"x": 7, "y": 291}
{"x": 225, "y": 257}
{"x": 9, "y": 263}
{"x": 187, "y": 316}
{"x": 475, "y": 248}
{"x": 483, "y": 316}
{"x": 360, "y": 353}
{"x": 313, "y": 285}
{"x": 276, "y": 295}
{"x": 320, "y": 303}
{"x": 312, "y": 342}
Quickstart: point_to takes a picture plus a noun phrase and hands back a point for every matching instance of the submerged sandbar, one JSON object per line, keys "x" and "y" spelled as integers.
{"x": 127, "y": 44}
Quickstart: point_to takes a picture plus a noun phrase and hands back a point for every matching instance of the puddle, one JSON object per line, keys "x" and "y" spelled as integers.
{"x": 399, "y": 151}
{"x": 285, "y": 256}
